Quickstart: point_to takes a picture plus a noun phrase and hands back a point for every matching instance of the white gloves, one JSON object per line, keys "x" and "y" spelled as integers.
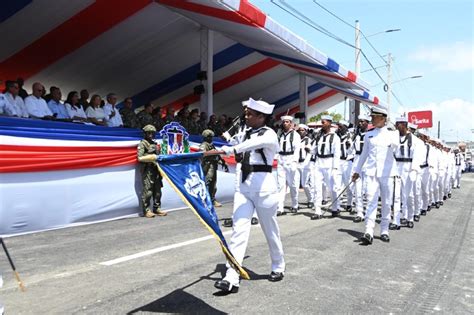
{"x": 227, "y": 150}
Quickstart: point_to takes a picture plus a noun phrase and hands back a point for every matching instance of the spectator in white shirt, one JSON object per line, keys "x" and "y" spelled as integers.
{"x": 73, "y": 108}
{"x": 57, "y": 108}
{"x": 112, "y": 114}
{"x": 36, "y": 106}
{"x": 14, "y": 104}
{"x": 94, "y": 112}
{"x": 2, "y": 105}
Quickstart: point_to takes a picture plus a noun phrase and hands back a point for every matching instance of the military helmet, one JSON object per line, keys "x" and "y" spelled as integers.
{"x": 208, "y": 133}
{"x": 149, "y": 128}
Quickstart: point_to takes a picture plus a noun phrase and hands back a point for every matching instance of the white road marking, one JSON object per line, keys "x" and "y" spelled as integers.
{"x": 158, "y": 250}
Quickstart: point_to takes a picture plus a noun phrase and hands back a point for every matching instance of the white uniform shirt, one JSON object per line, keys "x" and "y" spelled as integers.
{"x": 408, "y": 152}
{"x": 37, "y": 107}
{"x": 259, "y": 181}
{"x": 304, "y": 156}
{"x": 15, "y": 106}
{"x": 77, "y": 111}
{"x": 58, "y": 108}
{"x": 459, "y": 159}
{"x": 97, "y": 113}
{"x": 115, "y": 121}
{"x": 289, "y": 142}
{"x": 346, "y": 144}
{"x": 380, "y": 145}
{"x": 2, "y": 104}
{"x": 328, "y": 150}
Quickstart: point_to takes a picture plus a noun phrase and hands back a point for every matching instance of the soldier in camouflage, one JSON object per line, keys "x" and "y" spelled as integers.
{"x": 209, "y": 165}
{"x": 148, "y": 149}
{"x": 145, "y": 116}
{"x": 129, "y": 118}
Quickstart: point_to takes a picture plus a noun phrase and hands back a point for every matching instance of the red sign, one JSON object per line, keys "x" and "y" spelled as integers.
{"x": 424, "y": 119}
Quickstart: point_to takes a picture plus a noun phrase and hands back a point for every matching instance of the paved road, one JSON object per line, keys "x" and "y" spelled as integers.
{"x": 427, "y": 269}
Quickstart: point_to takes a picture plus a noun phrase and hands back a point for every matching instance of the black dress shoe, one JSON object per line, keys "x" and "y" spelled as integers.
{"x": 324, "y": 202}
{"x": 403, "y": 221}
{"x": 316, "y": 217}
{"x": 275, "y": 276}
{"x": 416, "y": 218}
{"x": 349, "y": 208}
{"x": 367, "y": 239}
{"x": 227, "y": 223}
{"x": 358, "y": 219}
{"x": 226, "y": 286}
{"x": 335, "y": 214}
{"x": 310, "y": 205}
{"x": 423, "y": 212}
{"x": 393, "y": 226}
{"x": 254, "y": 221}
{"x": 410, "y": 224}
{"x": 437, "y": 205}
{"x": 280, "y": 213}
{"x": 385, "y": 238}
{"x": 445, "y": 197}
{"x": 441, "y": 203}
{"x": 294, "y": 210}
{"x": 449, "y": 195}
{"x": 429, "y": 208}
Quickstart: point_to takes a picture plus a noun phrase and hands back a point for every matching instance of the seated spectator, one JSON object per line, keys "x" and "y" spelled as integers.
{"x": 2, "y": 104}
{"x": 202, "y": 122}
{"x": 21, "y": 92}
{"x": 14, "y": 104}
{"x": 145, "y": 116}
{"x": 48, "y": 96}
{"x": 169, "y": 115}
{"x": 84, "y": 100}
{"x": 183, "y": 117}
{"x": 112, "y": 114}
{"x": 158, "y": 121}
{"x": 212, "y": 122}
{"x": 57, "y": 108}
{"x": 36, "y": 105}
{"x": 94, "y": 112}
{"x": 193, "y": 126}
{"x": 129, "y": 118}
{"x": 74, "y": 109}
{"x": 220, "y": 127}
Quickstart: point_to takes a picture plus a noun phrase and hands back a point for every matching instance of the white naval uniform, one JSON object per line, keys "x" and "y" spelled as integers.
{"x": 328, "y": 152}
{"x": 442, "y": 173}
{"x": 358, "y": 187}
{"x": 408, "y": 163}
{"x": 257, "y": 192}
{"x": 304, "y": 168}
{"x": 288, "y": 155}
{"x": 377, "y": 159}
{"x": 346, "y": 165}
{"x": 448, "y": 184}
{"x": 435, "y": 175}
{"x": 116, "y": 120}
{"x": 423, "y": 187}
{"x": 459, "y": 165}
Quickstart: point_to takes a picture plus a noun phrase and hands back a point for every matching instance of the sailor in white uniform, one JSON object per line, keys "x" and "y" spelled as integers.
{"x": 459, "y": 165}
{"x": 288, "y": 155}
{"x": 304, "y": 164}
{"x": 257, "y": 190}
{"x": 378, "y": 161}
{"x": 328, "y": 152}
{"x": 346, "y": 159}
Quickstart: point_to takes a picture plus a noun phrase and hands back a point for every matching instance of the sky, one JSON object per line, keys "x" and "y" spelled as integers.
{"x": 436, "y": 42}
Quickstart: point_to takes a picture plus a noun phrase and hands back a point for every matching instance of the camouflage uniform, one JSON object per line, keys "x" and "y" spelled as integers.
{"x": 145, "y": 118}
{"x": 151, "y": 177}
{"x": 193, "y": 127}
{"x": 129, "y": 118}
{"x": 210, "y": 163}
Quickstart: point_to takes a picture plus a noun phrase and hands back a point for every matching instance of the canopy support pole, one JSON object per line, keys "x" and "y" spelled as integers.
{"x": 207, "y": 55}
{"x": 303, "y": 97}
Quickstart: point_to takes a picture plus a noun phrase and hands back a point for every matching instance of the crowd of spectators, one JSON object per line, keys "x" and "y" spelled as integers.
{"x": 80, "y": 107}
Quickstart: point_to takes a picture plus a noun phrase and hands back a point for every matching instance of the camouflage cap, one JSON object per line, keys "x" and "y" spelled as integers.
{"x": 208, "y": 133}
{"x": 149, "y": 128}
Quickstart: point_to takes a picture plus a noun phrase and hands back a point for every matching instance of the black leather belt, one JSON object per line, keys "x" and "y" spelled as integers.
{"x": 287, "y": 153}
{"x": 403, "y": 159}
{"x": 325, "y": 156}
{"x": 247, "y": 169}
{"x": 424, "y": 166}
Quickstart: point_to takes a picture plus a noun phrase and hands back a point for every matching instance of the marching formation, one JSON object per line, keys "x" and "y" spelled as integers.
{"x": 403, "y": 169}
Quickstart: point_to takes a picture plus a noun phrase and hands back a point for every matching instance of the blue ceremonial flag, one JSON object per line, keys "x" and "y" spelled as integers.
{"x": 185, "y": 175}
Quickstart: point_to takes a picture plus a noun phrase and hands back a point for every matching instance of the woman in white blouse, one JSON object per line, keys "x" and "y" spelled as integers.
{"x": 74, "y": 109}
{"x": 94, "y": 112}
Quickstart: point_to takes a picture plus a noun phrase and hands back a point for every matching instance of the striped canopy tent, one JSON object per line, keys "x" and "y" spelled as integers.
{"x": 151, "y": 50}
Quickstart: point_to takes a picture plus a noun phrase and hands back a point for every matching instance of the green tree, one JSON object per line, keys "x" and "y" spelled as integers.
{"x": 335, "y": 116}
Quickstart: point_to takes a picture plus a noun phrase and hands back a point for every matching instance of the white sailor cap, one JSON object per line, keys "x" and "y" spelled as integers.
{"x": 286, "y": 117}
{"x": 412, "y": 126}
{"x": 326, "y": 117}
{"x": 343, "y": 122}
{"x": 378, "y": 111}
{"x": 303, "y": 126}
{"x": 401, "y": 119}
{"x": 364, "y": 117}
{"x": 259, "y": 106}
{"x": 312, "y": 124}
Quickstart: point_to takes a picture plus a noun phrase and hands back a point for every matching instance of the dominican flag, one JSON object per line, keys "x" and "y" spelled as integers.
{"x": 185, "y": 175}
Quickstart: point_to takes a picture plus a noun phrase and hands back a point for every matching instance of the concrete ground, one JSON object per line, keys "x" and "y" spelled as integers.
{"x": 174, "y": 265}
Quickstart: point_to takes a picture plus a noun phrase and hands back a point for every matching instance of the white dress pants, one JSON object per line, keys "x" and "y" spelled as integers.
{"x": 408, "y": 181}
{"x": 346, "y": 172}
{"x": 306, "y": 181}
{"x": 423, "y": 190}
{"x": 384, "y": 186}
{"x": 457, "y": 176}
{"x": 265, "y": 204}
{"x": 332, "y": 179}
{"x": 287, "y": 176}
